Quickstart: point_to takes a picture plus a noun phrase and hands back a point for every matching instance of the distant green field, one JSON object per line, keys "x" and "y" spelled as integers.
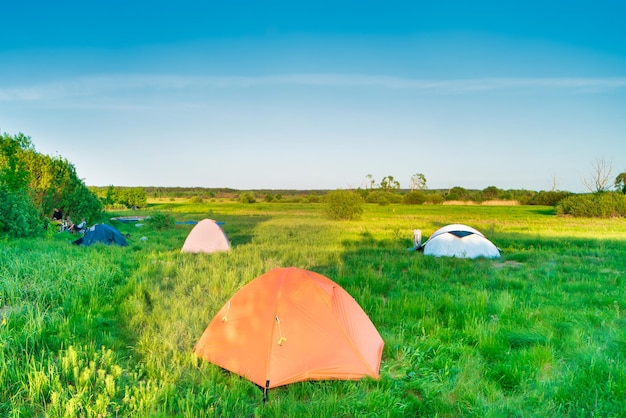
{"x": 108, "y": 331}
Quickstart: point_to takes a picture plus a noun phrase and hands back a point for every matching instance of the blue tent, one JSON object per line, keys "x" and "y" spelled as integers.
{"x": 101, "y": 233}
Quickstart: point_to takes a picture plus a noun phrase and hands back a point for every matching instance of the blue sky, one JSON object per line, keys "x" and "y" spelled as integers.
{"x": 317, "y": 95}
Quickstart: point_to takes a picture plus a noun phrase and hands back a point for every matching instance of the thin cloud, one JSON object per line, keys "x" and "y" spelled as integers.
{"x": 105, "y": 86}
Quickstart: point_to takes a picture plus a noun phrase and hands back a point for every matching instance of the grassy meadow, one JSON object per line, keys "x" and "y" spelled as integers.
{"x": 108, "y": 331}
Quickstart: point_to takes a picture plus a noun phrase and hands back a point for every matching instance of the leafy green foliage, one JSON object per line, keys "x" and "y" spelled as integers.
{"x": 343, "y": 205}
{"x": 435, "y": 198}
{"x": 491, "y": 193}
{"x": 458, "y": 193}
{"x": 388, "y": 183}
{"x": 596, "y": 205}
{"x": 130, "y": 197}
{"x": 620, "y": 182}
{"x": 383, "y": 197}
{"x": 49, "y": 182}
{"x": 418, "y": 182}
{"x": 416, "y": 197}
{"x": 550, "y": 198}
{"x": 19, "y": 216}
{"x": 160, "y": 221}
{"x": 121, "y": 197}
{"x": 13, "y": 170}
{"x": 247, "y": 197}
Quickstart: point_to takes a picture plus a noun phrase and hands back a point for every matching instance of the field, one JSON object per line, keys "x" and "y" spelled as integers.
{"x": 108, "y": 331}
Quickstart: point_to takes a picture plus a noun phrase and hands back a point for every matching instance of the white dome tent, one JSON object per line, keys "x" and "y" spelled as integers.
{"x": 461, "y": 241}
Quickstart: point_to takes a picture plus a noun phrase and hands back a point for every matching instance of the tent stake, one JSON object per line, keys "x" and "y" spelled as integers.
{"x": 266, "y": 391}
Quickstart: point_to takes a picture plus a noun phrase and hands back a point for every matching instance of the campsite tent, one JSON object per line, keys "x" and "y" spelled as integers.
{"x": 461, "y": 241}
{"x": 206, "y": 237}
{"x": 290, "y": 325}
{"x": 103, "y": 233}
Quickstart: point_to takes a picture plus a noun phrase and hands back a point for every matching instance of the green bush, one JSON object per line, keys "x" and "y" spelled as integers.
{"x": 491, "y": 193}
{"x": 383, "y": 198}
{"x": 416, "y": 197}
{"x": 597, "y": 205}
{"x": 343, "y": 205}
{"x": 160, "y": 221}
{"x": 551, "y": 198}
{"x": 435, "y": 198}
{"x": 247, "y": 197}
{"x": 458, "y": 193}
{"x": 19, "y": 217}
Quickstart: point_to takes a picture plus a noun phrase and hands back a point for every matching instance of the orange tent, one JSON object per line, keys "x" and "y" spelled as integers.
{"x": 206, "y": 237}
{"x": 289, "y": 325}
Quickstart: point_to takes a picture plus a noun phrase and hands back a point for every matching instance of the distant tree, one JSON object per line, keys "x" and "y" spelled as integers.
{"x": 371, "y": 182}
{"x": 247, "y": 197}
{"x": 599, "y": 178}
{"x": 620, "y": 182}
{"x": 551, "y": 198}
{"x": 383, "y": 197}
{"x": 415, "y": 197}
{"x": 111, "y": 196}
{"x": 343, "y": 205}
{"x": 554, "y": 187}
{"x": 458, "y": 193}
{"x": 388, "y": 183}
{"x": 491, "y": 192}
{"x": 418, "y": 182}
{"x": 136, "y": 197}
{"x": 41, "y": 182}
{"x": 130, "y": 197}
{"x": 435, "y": 198}
{"x": 13, "y": 170}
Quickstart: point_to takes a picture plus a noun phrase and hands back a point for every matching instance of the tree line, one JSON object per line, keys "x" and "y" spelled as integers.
{"x": 33, "y": 184}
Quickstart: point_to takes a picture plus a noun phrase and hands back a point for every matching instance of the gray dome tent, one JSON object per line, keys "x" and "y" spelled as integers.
{"x": 102, "y": 233}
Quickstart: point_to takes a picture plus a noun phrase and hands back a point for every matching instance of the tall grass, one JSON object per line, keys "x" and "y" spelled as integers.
{"x": 108, "y": 331}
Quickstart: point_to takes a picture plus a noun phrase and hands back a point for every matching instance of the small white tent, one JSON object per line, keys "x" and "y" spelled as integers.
{"x": 206, "y": 237}
{"x": 461, "y": 241}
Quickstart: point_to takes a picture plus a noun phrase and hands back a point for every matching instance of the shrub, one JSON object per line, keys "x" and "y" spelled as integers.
{"x": 19, "y": 217}
{"x": 416, "y": 197}
{"x": 383, "y": 198}
{"x": 491, "y": 193}
{"x": 458, "y": 193}
{"x": 550, "y": 198}
{"x": 160, "y": 221}
{"x": 436, "y": 198}
{"x": 343, "y": 205}
{"x": 598, "y": 205}
{"x": 247, "y": 197}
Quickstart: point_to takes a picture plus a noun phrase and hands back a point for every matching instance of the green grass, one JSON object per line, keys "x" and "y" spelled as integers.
{"x": 108, "y": 331}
